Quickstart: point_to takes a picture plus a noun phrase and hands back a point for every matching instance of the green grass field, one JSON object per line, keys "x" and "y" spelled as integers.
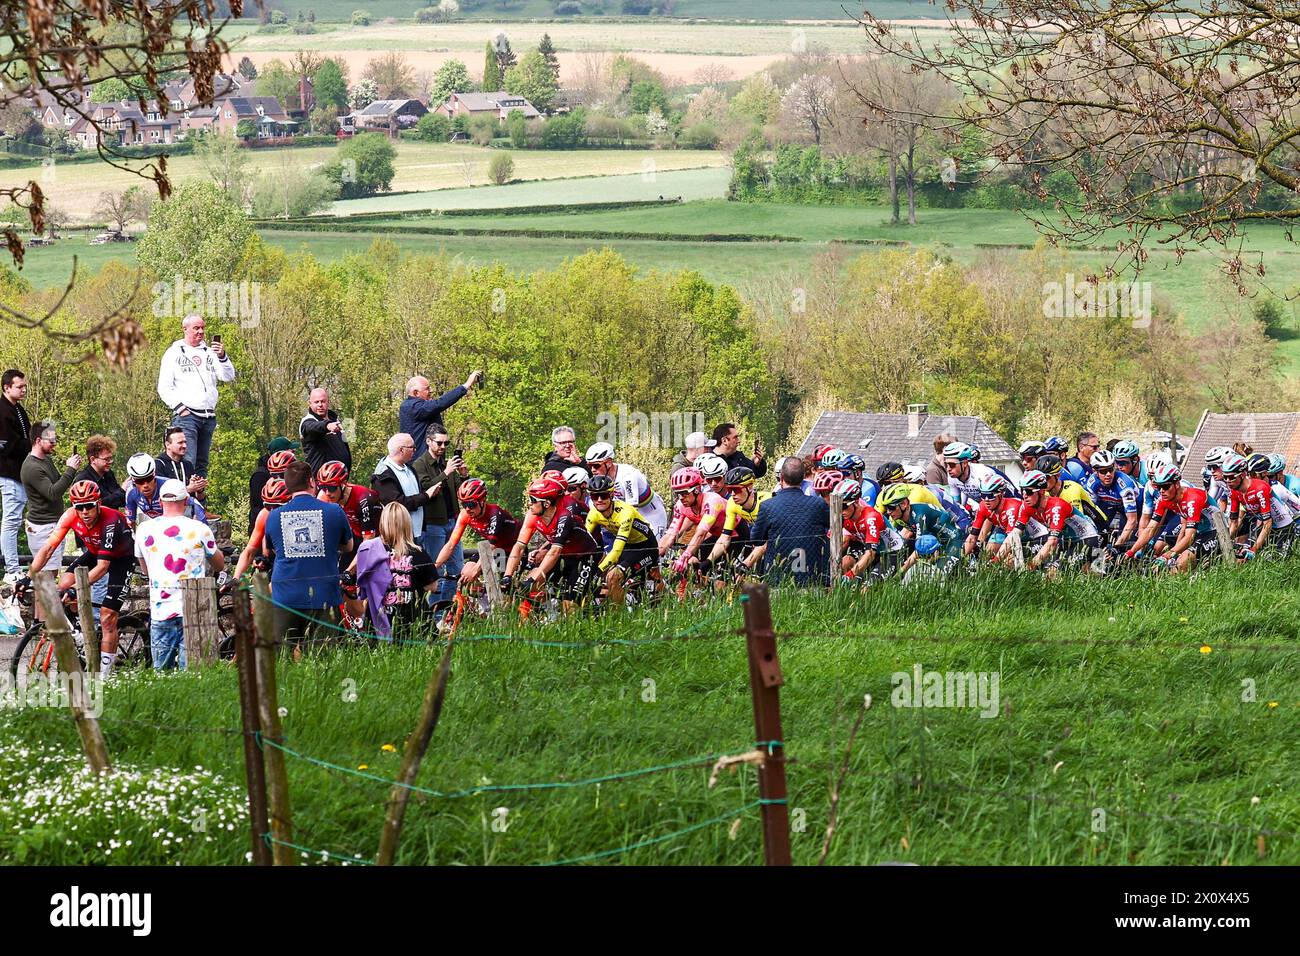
{"x": 1107, "y": 702}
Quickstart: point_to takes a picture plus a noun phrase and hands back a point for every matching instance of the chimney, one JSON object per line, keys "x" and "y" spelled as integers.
{"x": 915, "y": 414}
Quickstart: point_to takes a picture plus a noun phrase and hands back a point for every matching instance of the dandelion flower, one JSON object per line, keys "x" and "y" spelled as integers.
{"x": 1272, "y": 704}
{"x": 388, "y": 749}
{"x": 363, "y": 766}
{"x": 1205, "y": 648}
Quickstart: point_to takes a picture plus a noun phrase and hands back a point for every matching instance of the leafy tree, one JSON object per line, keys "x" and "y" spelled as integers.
{"x": 647, "y": 95}
{"x": 565, "y": 132}
{"x": 289, "y": 191}
{"x": 501, "y": 169}
{"x": 758, "y": 100}
{"x": 278, "y": 80}
{"x": 505, "y": 56}
{"x": 226, "y": 164}
{"x": 517, "y": 126}
{"x": 533, "y": 80}
{"x": 491, "y": 70}
{"x": 361, "y": 18}
{"x": 245, "y": 129}
{"x": 247, "y": 69}
{"x": 198, "y": 233}
{"x": 482, "y": 129}
{"x": 364, "y": 166}
{"x": 393, "y": 76}
{"x": 451, "y": 77}
{"x": 330, "y": 86}
{"x": 324, "y": 120}
{"x": 433, "y": 128}
{"x": 111, "y": 90}
{"x": 123, "y": 208}
{"x": 363, "y": 94}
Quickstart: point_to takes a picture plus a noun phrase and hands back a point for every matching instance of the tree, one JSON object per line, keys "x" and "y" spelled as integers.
{"x": 451, "y": 77}
{"x": 364, "y": 166}
{"x": 361, "y": 18}
{"x": 329, "y": 85}
{"x": 505, "y": 56}
{"x": 807, "y": 105}
{"x": 517, "y": 127}
{"x": 110, "y": 91}
{"x": 303, "y": 66}
{"x": 198, "y": 233}
{"x": 491, "y": 70}
{"x": 247, "y": 69}
{"x": 324, "y": 120}
{"x": 278, "y": 80}
{"x": 363, "y": 94}
{"x": 226, "y": 164}
{"x": 290, "y": 191}
{"x": 245, "y": 129}
{"x": 758, "y": 100}
{"x": 647, "y": 95}
{"x": 533, "y": 80}
{"x": 482, "y": 129}
{"x": 594, "y": 81}
{"x": 501, "y": 169}
{"x": 123, "y": 208}
{"x": 547, "y": 49}
{"x": 393, "y": 76}
{"x": 433, "y": 128}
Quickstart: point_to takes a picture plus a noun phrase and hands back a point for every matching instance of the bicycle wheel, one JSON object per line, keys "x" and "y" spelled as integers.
{"x": 34, "y": 654}
{"x": 133, "y": 642}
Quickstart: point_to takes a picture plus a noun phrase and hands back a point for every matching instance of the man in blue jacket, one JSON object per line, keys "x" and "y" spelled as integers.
{"x": 420, "y": 409}
{"x": 794, "y": 526}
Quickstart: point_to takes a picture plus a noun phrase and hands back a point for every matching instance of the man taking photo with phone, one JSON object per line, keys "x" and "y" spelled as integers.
{"x": 187, "y": 383}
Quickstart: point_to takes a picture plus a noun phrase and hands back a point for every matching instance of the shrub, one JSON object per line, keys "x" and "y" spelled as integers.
{"x": 304, "y": 27}
{"x": 278, "y": 17}
{"x": 433, "y": 128}
{"x": 568, "y": 8}
{"x": 565, "y": 132}
{"x": 361, "y": 18}
{"x": 700, "y": 136}
{"x": 501, "y": 169}
{"x": 482, "y": 129}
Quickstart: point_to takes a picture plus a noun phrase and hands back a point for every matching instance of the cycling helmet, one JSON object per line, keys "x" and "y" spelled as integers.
{"x": 1218, "y": 455}
{"x": 1167, "y": 474}
{"x": 1055, "y": 445}
{"x": 926, "y": 545}
{"x": 274, "y": 492}
{"x": 1033, "y": 480}
{"x": 974, "y": 452}
{"x": 889, "y": 471}
{"x": 141, "y": 465}
{"x": 472, "y": 489}
{"x": 892, "y": 495}
{"x": 553, "y": 473}
{"x": 281, "y": 460}
{"x": 1276, "y": 464}
{"x": 601, "y": 451}
{"x": 825, "y": 481}
{"x": 1102, "y": 459}
{"x": 834, "y": 460}
{"x": 1049, "y": 465}
{"x": 576, "y": 477}
{"x": 1207, "y": 475}
{"x": 821, "y": 450}
{"x": 686, "y": 479}
{"x": 915, "y": 474}
{"x": 993, "y": 484}
{"x": 740, "y": 477}
{"x": 1234, "y": 465}
{"x": 1155, "y": 460}
{"x": 331, "y": 474}
{"x": 1034, "y": 448}
{"x": 84, "y": 492}
{"x": 1125, "y": 451}
{"x": 854, "y": 463}
{"x": 848, "y": 489}
{"x": 547, "y": 489}
{"x": 602, "y": 485}
{"x": 959, "y": 451}
{"x": 1257, "y": 464}
{"x": 711, "y": 466}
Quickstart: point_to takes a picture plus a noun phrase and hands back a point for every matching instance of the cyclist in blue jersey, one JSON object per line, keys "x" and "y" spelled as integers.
{"x": 1117, "y": 495}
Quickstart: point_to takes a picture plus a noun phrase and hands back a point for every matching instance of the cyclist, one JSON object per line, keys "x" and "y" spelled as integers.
{"x": 741, "y": 512}
{"x": 1217, "y": 487}
{"x": 1029, "y": 453}
{"x": 634, "y": 485}
{"x": 824, "y": 483}
{"x": 1276, "y": 476}
{"x": 1117, "y": 495}
{"x": 964, "y": 473}
{"x": 634, "y": 550}
{"x": 710, "y": 510}
{"x": 144, "y": 500}
{"x": 855, "y": 467}
{"x": 109, "y": 551}
{"x": 274, "y": 494}
{"x": 1196, "y": 537}
{"x": 914, "y": 518}
{"x": 713, "y": 469}
{"x": 893, "y": 473}
{"x": 1251, "y": 508}
{"x": 1128, "y": 459}
{"x": 359, "y": 503}
{"x": 1055, "y": 445}
{"x": 870, "y": 545}
{"x": 1291, "y": 481}
{"x": 570, "y": 559}
{"x": 1070, "y": 490}
{"x": 689, "y": 498}
{"x": 490, "y": 522}
{"x": 1068, "y": 530}
{"x": 996, "y": 518}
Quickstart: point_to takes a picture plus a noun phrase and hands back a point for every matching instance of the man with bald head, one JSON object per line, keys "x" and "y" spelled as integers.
{"x": 188, "y": 376}
{"x": 421, "y": 410}
{"x": 322, "y": 433}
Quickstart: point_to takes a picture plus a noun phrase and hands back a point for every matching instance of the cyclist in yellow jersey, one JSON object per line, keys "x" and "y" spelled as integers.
{"x": 635, "y": 548}
{"x": 893, "y": 473}
{"x": 1071, "y": 491}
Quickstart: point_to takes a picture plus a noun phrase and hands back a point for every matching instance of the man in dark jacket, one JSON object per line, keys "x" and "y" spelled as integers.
{"x": 794, "y": 527}
{"x": 564, "y": 451}
{"x": 727, "y": 439}
{"x": 434, "y": 470}
{"x": 395, "y": 480}
{"x": 100, "y": 450}
{"x": 420, "y": 409}
{"x": 15, "y": 443}
{"x": 322, "y": 433}
{"x": 262, "y": 474}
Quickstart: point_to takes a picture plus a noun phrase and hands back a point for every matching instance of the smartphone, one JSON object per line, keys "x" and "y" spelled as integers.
{"x": 458, "y": 453}
{"x": 216, "y": 340}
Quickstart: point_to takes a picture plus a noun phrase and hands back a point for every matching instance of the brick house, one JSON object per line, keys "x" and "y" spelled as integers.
{"x": 499, "y": 105}
{"x": 264, "y": 111}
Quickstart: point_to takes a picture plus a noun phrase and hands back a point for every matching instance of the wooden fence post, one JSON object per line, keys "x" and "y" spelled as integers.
{"x": 837, "y": 539}
{"x": 254, "y": 767}
{"x": 416, "y": 745}
{"x": 86, "y": 615}
{"x": 268, "y": 709}
{"x": 765, "y": 681}
{"x": 60, "y": 632}
{"x": 1226, "y": 547}
{"x": 491, "y": 580}
{"x": 199, "y": 614}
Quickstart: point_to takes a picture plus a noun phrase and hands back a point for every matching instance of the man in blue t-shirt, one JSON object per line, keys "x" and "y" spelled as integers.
{"x": 307, "y": 536}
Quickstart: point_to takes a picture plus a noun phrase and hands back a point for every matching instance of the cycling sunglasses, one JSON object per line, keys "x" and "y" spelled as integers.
{"x": 91, "y": 506}
{"x": 602, "y": 496}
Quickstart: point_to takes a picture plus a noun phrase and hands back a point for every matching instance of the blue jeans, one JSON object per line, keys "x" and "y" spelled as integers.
{"x": 15, "y": 500}
{"x": 198, "y": 440}
{"x": 434, "y": 537}
{"x": 167, "y": 643}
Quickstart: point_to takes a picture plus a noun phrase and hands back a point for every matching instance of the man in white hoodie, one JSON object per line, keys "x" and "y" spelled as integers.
{"x": 187, "y": 384}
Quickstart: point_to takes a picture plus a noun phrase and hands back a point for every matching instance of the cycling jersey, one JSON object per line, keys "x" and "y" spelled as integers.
{"x": 110, "y": 539}
{"x": 1219, "y": 493}
{"x": 1285, "y": 498}
{"x": 738, "y": 520}
{"x": 1118, "y": 499}
{"x": 1192, "y": 505}
{"x": 628, "y": 528}
{"x": 870, "y": 491}
{"x": 968, "y": 491}
{"x": 637, "y": 492}
{"x": 928, "y": 519}
{"x": 1082, "y": 502}
{"x": 362, "y": 506}
{"x": 866, "y": 527}
{"x": 1060, "y": 518}
{"x": 138, "y": 507}
{"x": 1255, "y": 499}
{"x": 567, "y": 528}
{"x": 921, "y": 495}
{"x": 1004, "y": 518}
{"x": 1292, "y": 483}
{"x": 494, "y": 525}
{"x": 710, "y": 507}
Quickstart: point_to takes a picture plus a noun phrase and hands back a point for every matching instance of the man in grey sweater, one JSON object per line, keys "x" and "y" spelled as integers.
{"x": 45, "y": 486}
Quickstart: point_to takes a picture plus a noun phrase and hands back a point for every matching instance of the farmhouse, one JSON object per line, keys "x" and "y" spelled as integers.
{"x": 1267, "y": 432}
{"x": 386, "y": 115}
{"x": 263, "y": 111}
{"x": 498, "y": 104}
{"x": 909, "y": 439}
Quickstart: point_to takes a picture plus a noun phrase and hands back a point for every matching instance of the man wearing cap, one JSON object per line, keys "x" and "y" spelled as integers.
{"x": 261, "y": 475}
{"x": 173, "y": 548}
{"x": 697, "y": 444}
{"x": 420, "y": 409}
{"x": 187, "y": 383}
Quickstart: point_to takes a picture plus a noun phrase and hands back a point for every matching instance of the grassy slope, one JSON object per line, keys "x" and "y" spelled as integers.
{"x": 1146, "y": 732}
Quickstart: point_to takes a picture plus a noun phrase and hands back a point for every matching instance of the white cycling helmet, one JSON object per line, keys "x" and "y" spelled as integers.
{"x": 576, "y": 477}
{"x": 711, "y": 466}
{"x": 1102, "y": 459}
{"x": 601, "y": 451}
{"x": 914, "y": 473}
{"x": 1217, "y": 455}
{"x": 1155, "y": 460}
{"x": 141, "y": 465}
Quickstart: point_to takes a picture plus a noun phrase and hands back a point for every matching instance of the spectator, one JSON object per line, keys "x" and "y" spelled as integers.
{"x": 936, "y": 472}
{"x": 100, "y": 450}
{"x": 794, "y": 527}
{"x": 420, "y": 410}
{"x": 187, "y": 384}
{"x": 175, "y": 462}
{"x": 806, "y": 486}
{"x": 410, "y": 568}
{"x": 1079, "y": 466}
{"x": 173, "y": 548}
{"x": 440, "y": 513}
{"x": 322, "y": 433}
{"x": 394, "y": 480}
{"x": 727, "y": 439}
{"x": 564, "y": 453}
{"x": 15, "y": 444}
{"x": 261, "y": 474}
{"x": 697, "y": 444}
{"x": 308, "y": 536}
{"x": 45, "y": 486}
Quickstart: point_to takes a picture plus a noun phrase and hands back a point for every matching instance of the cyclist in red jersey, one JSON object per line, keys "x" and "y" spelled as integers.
{"x": 573, "y": 552}
{"x": 109, "y": 550}
{"x": 1250, "y": 503}
{"x": 359, "y": 503}
{"x": 490, "y": 522}
{"x": 1196, "y": 534}
{"x": 863, "y": 528}
{"x": 274, "y": 494}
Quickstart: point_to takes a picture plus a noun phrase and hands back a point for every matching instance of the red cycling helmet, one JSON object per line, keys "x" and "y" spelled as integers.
{"x": 685, "y": 479}
{"x": 472, "y": 489}
{"x": 821, "y": 450}
{"x": 548, "y": 489}
{"x": 275, "y": 492}
{"x": 281, "y": 460}
{"x": 331, "y": 474}
{"x": 825, "y": 481}
{"x": 84, "y": 492}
